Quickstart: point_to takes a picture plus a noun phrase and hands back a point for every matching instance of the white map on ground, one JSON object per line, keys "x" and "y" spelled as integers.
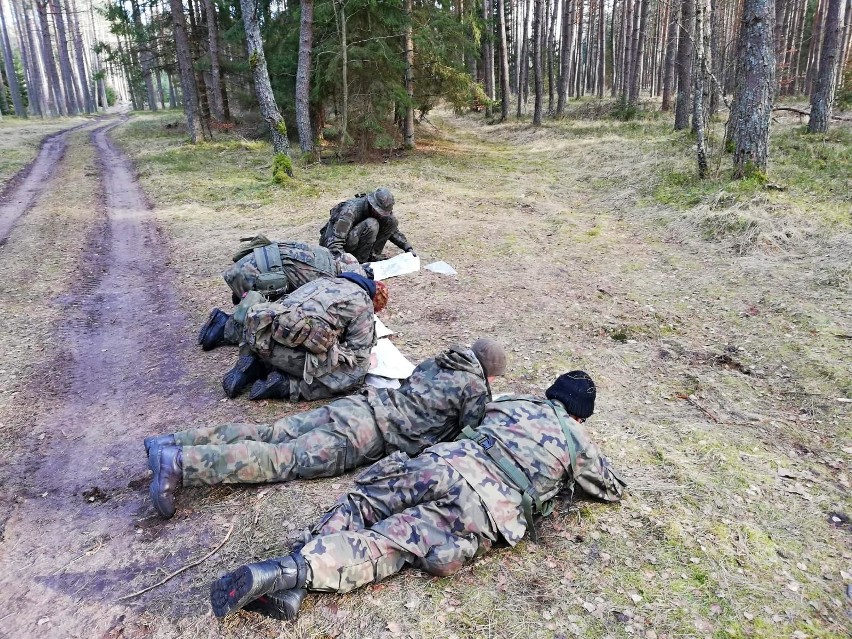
{"x": 401, "y": 264}
{"x": 389, "y": 361}
{"x": 441, "y": 267}
{"x": 381, "y": 329}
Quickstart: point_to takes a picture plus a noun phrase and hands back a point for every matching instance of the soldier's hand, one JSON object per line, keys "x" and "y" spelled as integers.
{"x": 410, "y": 249}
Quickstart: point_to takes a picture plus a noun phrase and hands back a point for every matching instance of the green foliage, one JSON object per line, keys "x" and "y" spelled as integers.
{"x": 111, "y": 95}
{"x": 282, "y": 169}
{"x": 624, "y": 110}
{"x": 844, "y": 91}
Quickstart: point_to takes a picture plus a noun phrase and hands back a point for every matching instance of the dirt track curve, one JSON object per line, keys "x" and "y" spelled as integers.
{"x": 80, "y": 527}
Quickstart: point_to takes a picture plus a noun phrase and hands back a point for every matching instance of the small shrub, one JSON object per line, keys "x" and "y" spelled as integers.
{"x": 282, "y": 169}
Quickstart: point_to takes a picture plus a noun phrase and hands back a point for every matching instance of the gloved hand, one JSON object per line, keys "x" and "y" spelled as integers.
{"x": 410, "y": 249}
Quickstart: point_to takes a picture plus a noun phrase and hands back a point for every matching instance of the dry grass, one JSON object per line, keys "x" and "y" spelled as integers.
{"x": 719, "y": 375}
{"x": 20, "y": 140}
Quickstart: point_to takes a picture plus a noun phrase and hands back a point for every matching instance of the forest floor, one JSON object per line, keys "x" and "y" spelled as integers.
{"x": 716, "y": 318}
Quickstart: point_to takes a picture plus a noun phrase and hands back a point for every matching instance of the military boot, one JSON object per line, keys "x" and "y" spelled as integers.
{"x": 275, "y": 386}
{"x": 212, "y": 332}
{"x": 167, "y": 481}
{"x": 247, "y": 583}
{"x": 153, "y": 446}
{"x": 282, "y": 604}
{"x": 247, "y": 370}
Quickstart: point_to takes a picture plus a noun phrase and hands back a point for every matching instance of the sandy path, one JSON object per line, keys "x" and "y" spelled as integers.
{"x": 22, "y": 191}
{"x": 73, "y": 540}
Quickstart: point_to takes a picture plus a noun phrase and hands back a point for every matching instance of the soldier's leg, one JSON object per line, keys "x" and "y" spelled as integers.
{"x": 325, "y": 451}
{"x": 361, "y": 239}
{"x": 437, "y": 536}
{"x": 388, "y": 487}
{"x": 387, "y": 227}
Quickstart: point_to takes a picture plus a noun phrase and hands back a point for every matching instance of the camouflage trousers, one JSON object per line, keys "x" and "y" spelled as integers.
{"x": 369, "y": 237}
{"x": 417, "y": 511}
{"x": 324, "y": 442}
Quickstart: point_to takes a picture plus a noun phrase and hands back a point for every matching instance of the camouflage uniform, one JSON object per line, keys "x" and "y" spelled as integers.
{"x": 320, "y": 335}
{"x": 352, "y": 228}
{"x": 451, "y": 503}
{"x": 300, "y": 263}
{"x": 443, "y": 395}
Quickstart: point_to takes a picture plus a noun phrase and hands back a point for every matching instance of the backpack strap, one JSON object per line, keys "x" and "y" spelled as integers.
{"x": 531, "y": 501}
{"x": 268, "y": 258}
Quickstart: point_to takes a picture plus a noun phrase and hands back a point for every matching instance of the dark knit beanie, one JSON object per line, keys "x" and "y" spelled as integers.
{"x": 576, "y": 391}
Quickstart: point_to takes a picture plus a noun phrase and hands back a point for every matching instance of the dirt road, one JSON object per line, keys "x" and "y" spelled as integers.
{"x": 79, "y": 514}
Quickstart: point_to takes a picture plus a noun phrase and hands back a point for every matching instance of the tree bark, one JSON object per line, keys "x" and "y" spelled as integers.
{"x": 488, "y": 55}
{"x": 344, "y": 51}
{"x": 215, "y": 75}
{"x": 79, "y": 51}
{"x": 552, "y": 6}
{"x": 11, "y": 75}
{"x": 671, "y": 50}
{"x": 187, "y": 80}
{"x": 56, "y": 95}
{"x": 702, "y": 40}
{"x": 303, "y": 77}
{"x": 601, "y": 75}
{"x": 684, "y": 61}
{"x": 408, "y": 132}
{"x": 823, "y": 94}
{"x": 578, "y": 69}
{"x": 751, "y": 109}
{"x": 504, "y": 62}
{"x": 71, "y": 92}
{"x": 35, "y": 79}
{"x": 565, "y": 56}
{"x": 638, "y": 53}
{"x": 524, "y": 61}
{"x": 538, "y": 23}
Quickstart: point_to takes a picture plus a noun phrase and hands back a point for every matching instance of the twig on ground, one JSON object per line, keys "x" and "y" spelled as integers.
{"x": 807, "y": 113}
{"x": 709, "y": 414}
{"x": 184, "y": 569}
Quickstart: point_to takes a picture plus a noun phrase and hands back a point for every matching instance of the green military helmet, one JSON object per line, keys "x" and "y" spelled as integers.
{"x": 382, "y": 201}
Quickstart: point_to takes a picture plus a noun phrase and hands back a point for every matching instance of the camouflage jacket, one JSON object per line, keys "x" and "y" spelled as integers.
{"x": 527, "y": 430}
{"x": 300, "y": 263}
{"x": 346, "y": 215}
{"x": 443, "y": 395}
{"x": 339, "y": 307}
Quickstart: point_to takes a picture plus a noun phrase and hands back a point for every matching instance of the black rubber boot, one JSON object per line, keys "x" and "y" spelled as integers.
{"x": 275, "y": 386}
{"x": 281, "y": 604}
{"x": 234, "y": 590}
{"x": 212, "y": 333}
{"x": 168, "y": 479}
{"x": 247, "y": 370}
{"x": 153, "y": 446}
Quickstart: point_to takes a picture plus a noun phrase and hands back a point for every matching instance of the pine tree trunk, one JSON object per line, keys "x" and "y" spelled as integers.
{"x": 552, "y": 6}
{"x": 12, "y": 78}
{"x": 71, "y": 94}
{"x": 751, "y": 109}
{"x": 488, "y": 55}
{"x": 523, "y": 61}
{"x": 35, "y": 79}
{"x": 344, "y": 52}
{"x": 538, "y": 23}
{"x": 504, "y": 62}
{"x": 213, "y": 46}
{"x": 184, "y": 62}
{"x": 408, "y": 131}
{"x": 699, "y": 116}
{"x": 845, "y": 38}
{"x": 578, "y": 69}
{"x": 626, "y": 57}
{"x": 684, "y": 62}
{"x": 601, "y": 75}
{"x": 671, "y": 50}
{"x": 638, "y": 53}
{"x": 303, "y": 77}
{"x": 79, "y": 51}
{"x": 813, "y": 50}
{"x": 613, "y": 50}
{"x": 565, "y": 56}
{"x": 56, "y": 102}
{"x": 823, "y": 94}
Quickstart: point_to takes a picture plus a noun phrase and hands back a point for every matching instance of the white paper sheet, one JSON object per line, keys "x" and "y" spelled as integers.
{"x": 381, "y": 329}
{"x": 390, "y": 362}
{"x": 381, "y": 382}
{"x": 441, "y": 267}
{"x": 401, "y": 264}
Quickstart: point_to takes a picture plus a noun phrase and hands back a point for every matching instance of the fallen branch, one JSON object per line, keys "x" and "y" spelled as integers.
{"x": 807, "y": 113}
{"x": 184, "y": 569}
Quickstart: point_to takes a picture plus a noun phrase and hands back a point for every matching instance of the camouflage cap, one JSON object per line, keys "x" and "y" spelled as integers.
{"x": 380, "y": 299}
{"x": 491, "y": 355}
{"x": 382, "y": 201}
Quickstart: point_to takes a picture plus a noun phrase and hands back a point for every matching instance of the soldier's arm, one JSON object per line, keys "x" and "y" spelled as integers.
{"x": 398, "y": 238}
{"x": 359, "y": 339}
{"x": 337, "y": 234}
{"x": 474, "y": 398}
{"x": 596, "y": 476}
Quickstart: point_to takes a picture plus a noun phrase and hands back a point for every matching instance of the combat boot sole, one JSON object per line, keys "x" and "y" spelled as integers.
{"x": 275, "y": 386}
{"x": 246, "y": 371}
{"x": 236, "y": 589}
{"x": 212, "y": 333}
{"x": 282, "y": 604}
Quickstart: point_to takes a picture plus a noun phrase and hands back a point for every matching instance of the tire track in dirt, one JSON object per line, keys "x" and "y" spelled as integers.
{"x": 22, "y": 191}
{"x": 74, "y": 540}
